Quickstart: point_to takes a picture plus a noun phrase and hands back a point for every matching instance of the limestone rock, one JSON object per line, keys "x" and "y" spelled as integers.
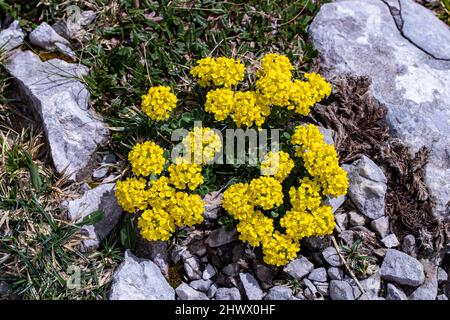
{"x": 51, "y": 88}
{"x": 402, "y": 269}
{"x": 12, "y": 37}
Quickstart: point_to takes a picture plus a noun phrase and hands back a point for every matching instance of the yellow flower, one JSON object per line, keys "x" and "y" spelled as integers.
{"x": 279, "y": 249}
{"x": 158, "y": 103}
{"x": 221, "y": 72}
{"x": 147, "y": 158}
{"x": 186, "y": 209}
{"x": 160, "y": 192}
{"x": 277, "y": 164}
{"x": 246, "y": 110}
{"x": 238, "y": 201}
{"x": 220, "y": 103}
{"x": 202, "y": 144}
{"x": 254, "y": 229}
{"x": 156, "y": 224}
{"x": 185, "y": 175}
{"x": 131, "y": 194}
{"x": 267, "y": 192}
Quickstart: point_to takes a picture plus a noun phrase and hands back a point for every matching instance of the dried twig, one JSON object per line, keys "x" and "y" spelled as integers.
{"x": 350, "y": 271}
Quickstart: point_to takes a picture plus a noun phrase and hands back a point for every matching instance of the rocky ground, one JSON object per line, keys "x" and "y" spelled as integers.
{"x": 388, "y": 118}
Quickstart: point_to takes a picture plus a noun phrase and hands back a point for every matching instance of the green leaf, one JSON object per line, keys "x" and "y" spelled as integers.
{"x": 128, "y": 233}
{"x": 93, "y": 218}
{"x": 34, "y": 172}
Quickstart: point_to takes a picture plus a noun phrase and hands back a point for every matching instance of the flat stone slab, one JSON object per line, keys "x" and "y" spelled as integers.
{"x": 409, "y": 73}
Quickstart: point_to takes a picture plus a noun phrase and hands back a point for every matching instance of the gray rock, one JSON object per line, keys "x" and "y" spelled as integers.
{"x": 394, "y": 293}
{"x": 279, "y": 293}
{"x": 372, "y": 286}
{"x": 212, "y": 291}
{"x": 402, "y": 269}
{"x": 299, "y": 268}
{"x": 209, "y": 272}
{"x": 422, "y": 28}
{"x": 347, "y": 237}
{"x": 192, "y": 267}
{"x": 310, "y": 291}
{"x": 335, "y": 203}
{"x": 264, "y": 273}
{"x": 198, "y": 248}
{"x": 220, "y": 237}
{"x": 319, "y": 274}
{"x": 45, "y": 37}
{"x": 185, "y": 292}
{"x": 228, "y": 294}
{"x": 87, "y": 17}
{"x": 51, "y": 88}
{"x": 442, "y": 297}
{"x": 367, "y": 187}
{"x": 361, "y": 38}
{"x": 429, "y": 289}
{"x": 5, "y": 290}
{"x": 341, "y": 290}
{"x": 100, "y": 173}
{"x": 390, "y": 241}
{"x": 157, "y": 251}
{"x": 442, "y": 276}
{"x": 101, "y": 198}
{"x": 322, "y": 288}
{"x": 202, "y": 285}
{"x": 381, "y": 226}
{"x": 341, "y": 221}
{"x": 180, "y": 252}
{"x": 331, "y": 256}
{"x": 409, "y": 245}
{"x": 315, "y": 243}
{"x": 213, "y": 204}
{"x": 12, "y": 37}
{"x": 251, "y": 286}
{"x": 139, "y": 279}
{"x": 356, "y": 219}
{"x": 335, "y": 273}
{"x": 231, "y": 269}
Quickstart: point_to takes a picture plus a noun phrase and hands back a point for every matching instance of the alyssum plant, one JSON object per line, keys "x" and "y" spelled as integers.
{"x": 275, "y": 210}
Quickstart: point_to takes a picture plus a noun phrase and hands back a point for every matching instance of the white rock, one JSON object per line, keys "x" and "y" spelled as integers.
{"x": 45, "y": 37}
{"x": 101, "y": 198}
{"x": 442, "y": 275}
{"x": 52, "y": 90}
{"x": 139, "y": 279}
{"x": 341, "y": 290}
{"x": 381, "y": 226}
{"x": 279, "y": 293}
{"x": 213, "y": 204}
{"x": 319, "y": 275}
{"x": 356, "y": 219}
{"x": 251, "y": 286}
{"x": 341, "y": 221}
{"x": 331, "y": 256}
{"x": 202, "y": 285}
{"x": 390, "y": 241}
{"x": 192, "y": 267}
{"x": 429, "y": 289}
{"x": 361, "y": 38}
{"x": 12, "y": 37}
{"x": 228, "y": 294}
{"x": 372, "y": 286}
{"x": 299, "y": 268}
{"x": 367, "y": 187}
{"x": 394, "y": 293}
{"x": 402, "y": 269}
{"x": 209, "y": 272}
{"x": 185, "y": 292}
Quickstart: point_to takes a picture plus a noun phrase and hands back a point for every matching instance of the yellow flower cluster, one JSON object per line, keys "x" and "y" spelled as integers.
{"x": 202, "y": 144}
{"x": 307, "y": 216}
{"x": 220, "y": 72}
{"x": 267, "y": 192}
{"x": 220, "y": 102}
{"x": 131, "y": 194}
{"x": 158, "y": 103}
{"x": 320, "y": 160}
{"x": 184, "y": 174}
{"x": 274, "y": 87}
{"x": 147, "y": 158}
{"x": 277, "y": 164}
{"x": 163, "y": 207}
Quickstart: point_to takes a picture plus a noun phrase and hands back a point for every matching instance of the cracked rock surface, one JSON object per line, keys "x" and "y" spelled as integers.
{"x": 408, "y": 69}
